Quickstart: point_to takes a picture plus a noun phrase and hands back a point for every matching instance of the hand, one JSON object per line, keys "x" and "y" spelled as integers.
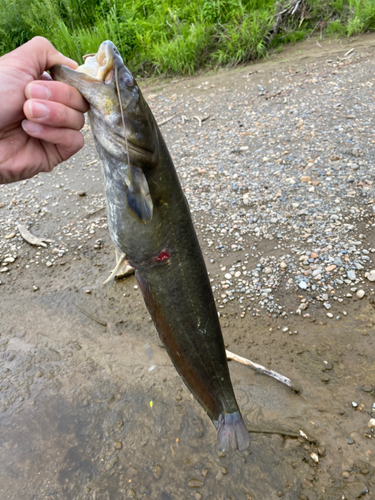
{"x": 39, "y": 119}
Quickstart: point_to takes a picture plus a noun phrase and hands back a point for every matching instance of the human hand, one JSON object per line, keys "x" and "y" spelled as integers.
{"x": 40, "y": 119}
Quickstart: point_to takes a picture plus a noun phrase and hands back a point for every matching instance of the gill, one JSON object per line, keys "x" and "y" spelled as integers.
{"x": 122, "y": 115}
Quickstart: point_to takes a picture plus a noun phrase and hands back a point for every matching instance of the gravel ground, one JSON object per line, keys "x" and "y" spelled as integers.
{"x": 277, "y": 162}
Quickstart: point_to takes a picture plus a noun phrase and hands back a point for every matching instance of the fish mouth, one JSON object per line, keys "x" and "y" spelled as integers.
{"x": 101, "y": 66}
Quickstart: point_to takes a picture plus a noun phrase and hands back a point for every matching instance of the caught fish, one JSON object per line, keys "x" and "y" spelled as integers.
{"x": 152, "y": 230}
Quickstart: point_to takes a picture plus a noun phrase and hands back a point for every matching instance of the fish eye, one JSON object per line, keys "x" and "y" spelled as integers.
{"x": 128, "y": 80}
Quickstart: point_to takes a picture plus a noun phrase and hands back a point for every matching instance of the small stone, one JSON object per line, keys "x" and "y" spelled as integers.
{"x": 325, "y": 379}
{"x": 360, "y": 294}
{"x": 315, "y": 457}
{"x": 117, "y": 445}
{"x": 228, "y": 276}
{"x": 198, "y": 496}
{"x": 131, "y": 493}
{"x": 321, "y": 451}
{"x": 49, "y": 263}
{"x": 330, "y": 268}
{"x": 354, "y": 404}
{"x": 351, "y": 275}
{"x": 237, "y": 274}
{"x": 55, "y": 251}
{"x": 205, "y": 472}
{"x": 8, "y": 260}
{"x": 223, "y": 470}
{"x": 283, "y": 265}
{"x": 305, "y": 178}
{"x": 371, "y": 423}
{"x": 330, "y": 315}
{"x": 10, "y": 236}
{"x": 4, "y": 270}
{"x": 268, "y": 270}
{"x": 314, "y": 255}
{"x": 195, "y": 483}
{"x": 367, "y": 388}
{"x": 327, "y": 305}
{"x": 345, "y": 474}
{"x": 350, "y": 440}
{"x": 280, "y": 494}
{"x": 81, "y": 193}
{"x": 302, "y": 284}
{"x": 157, "y": 471}
{"x": 371, "y": 275}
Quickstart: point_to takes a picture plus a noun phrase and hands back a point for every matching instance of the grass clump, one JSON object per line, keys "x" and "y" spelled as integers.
{"x": 179, "y": 36}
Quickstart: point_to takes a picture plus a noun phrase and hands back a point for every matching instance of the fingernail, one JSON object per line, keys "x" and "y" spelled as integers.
{"x": 31, "y": 127}
{"x": 38, "y": 91}
{"x": 38, "y": 110}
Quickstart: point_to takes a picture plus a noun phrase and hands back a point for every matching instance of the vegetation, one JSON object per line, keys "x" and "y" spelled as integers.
{"x": 179, "y": 36}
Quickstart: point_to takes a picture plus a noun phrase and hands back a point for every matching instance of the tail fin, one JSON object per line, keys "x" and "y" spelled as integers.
{"x": 232, "y": 432}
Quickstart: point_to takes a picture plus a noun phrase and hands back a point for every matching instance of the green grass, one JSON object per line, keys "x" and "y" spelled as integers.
{"x": 176, "y": 36}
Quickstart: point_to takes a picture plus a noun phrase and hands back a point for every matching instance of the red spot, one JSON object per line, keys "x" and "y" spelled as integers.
{"x": 163, "y": 255}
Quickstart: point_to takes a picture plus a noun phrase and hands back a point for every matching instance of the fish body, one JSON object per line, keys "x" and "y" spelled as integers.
{"x": 150, "y": 224}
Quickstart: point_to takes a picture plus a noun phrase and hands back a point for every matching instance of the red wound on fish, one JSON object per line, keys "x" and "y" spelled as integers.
{"x": 163, "y": 255}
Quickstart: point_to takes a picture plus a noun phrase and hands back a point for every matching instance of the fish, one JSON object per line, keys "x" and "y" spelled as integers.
{"x": 152, "y": 230}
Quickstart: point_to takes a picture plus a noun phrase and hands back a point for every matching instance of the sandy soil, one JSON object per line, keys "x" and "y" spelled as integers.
{"x": 82, "y": 417}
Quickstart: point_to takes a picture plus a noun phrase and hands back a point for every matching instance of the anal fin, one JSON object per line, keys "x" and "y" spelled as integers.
{"x": 121, "y": 261}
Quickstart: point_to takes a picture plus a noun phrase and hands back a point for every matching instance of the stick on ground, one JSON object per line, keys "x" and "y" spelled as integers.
{"x": 263, "y": 370}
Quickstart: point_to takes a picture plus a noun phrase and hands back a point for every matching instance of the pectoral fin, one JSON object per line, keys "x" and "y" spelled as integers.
{"x": 138, "y": 195}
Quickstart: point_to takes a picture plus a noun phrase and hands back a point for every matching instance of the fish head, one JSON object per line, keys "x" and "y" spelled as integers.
{"x": 120, "y": 117}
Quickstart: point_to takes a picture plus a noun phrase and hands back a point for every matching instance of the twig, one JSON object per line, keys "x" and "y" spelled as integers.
{"x": 92, "y": 212}
{"x": 99, "y": 321}
{"x": 166, "y": 120}
{"x": 30, "y": 238}
{"x": 263, "y": 370}
{"x": 199, "y": 120}
{"x": 282, "y": 432}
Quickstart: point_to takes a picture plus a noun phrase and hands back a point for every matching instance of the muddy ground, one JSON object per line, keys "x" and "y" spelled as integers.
{"x": 82, "y": 417}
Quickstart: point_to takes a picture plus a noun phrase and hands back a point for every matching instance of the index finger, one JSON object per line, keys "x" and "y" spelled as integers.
{"x": 58, "y": 92}
{"x": 39, "y": 55}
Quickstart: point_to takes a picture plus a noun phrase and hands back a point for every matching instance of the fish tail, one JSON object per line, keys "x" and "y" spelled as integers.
{"x": 232, "y": 432}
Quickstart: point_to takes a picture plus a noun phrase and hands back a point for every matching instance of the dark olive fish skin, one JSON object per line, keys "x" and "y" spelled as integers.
{"x": 163, "y": 247}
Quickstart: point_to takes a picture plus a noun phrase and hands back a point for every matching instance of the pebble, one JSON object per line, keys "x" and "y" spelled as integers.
{"x": 351, "y": 275}
{"x": 360, "y": 294}
{"x": 49, "y": 263}
{"x": 157, "y": 471}
{"x": 195, "y": 483}
{"x": 371, "y": 275}
{"x": 302, "y": 284}
{"x": 371, "y": 423}
{"x": 367, "y": 388}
